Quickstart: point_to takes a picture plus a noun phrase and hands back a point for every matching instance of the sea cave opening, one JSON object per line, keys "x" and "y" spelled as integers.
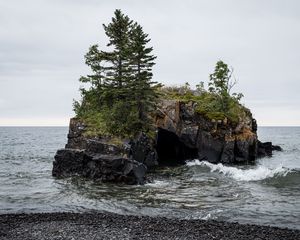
{"x": 171, "y": 151}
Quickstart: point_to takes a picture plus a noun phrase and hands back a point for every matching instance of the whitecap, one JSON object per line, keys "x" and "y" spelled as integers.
{"x": 258, "y": 173}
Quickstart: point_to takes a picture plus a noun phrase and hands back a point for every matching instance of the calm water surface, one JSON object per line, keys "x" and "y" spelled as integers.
{"x": 267, "y": 193}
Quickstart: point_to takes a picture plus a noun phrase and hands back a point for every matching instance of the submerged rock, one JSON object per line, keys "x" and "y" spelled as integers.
{"x": 182, "y": 134}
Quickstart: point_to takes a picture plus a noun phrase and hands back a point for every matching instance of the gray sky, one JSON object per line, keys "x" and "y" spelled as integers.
{"x": 43, "y": 42}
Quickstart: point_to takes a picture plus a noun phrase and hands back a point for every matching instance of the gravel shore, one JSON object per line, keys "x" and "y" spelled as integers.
{"x": 112, "y": 226}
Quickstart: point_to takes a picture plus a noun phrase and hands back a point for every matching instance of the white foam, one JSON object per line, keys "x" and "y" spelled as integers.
{"x": 157, "y": 184}
{"x": 208, "y": 216}
{"x": 255, "y": 174}
{"x": 212, "y": 215}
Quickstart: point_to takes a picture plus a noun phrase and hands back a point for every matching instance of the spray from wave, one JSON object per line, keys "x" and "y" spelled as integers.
{"x": 255, "y": 174}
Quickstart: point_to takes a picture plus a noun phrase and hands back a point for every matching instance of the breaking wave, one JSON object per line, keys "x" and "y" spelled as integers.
{"x": 258, "y": 173}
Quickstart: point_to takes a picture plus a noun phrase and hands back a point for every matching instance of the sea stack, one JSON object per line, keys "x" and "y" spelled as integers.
{"x": 182, "y": 133}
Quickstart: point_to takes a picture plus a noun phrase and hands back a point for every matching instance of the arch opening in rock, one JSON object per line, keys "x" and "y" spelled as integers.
{"x": 171, "y": 151}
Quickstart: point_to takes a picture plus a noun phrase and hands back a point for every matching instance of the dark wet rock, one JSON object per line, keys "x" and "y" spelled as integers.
{"x": 114, "y": 168}
{"x": 103, "y": 147}
{"x": 266, "y": 149}
{"x": 215, "y": 141}
{"x": 209, "y": 148}
{"x": 228, "y": 155}
{"x": 142, "y": 150}
{"x": 81, "y": 226}
{"x": 182, "y": 134}
{"x": 104, "y": 167}
{"x": 276, "y": 148}
{"x": 68, "y": 162}
{"x": 98, "y": 158}
{"x": 171, "y": 150}
{"x": 254, "y": 125}
{"x": 245, "y": 149}
{"x": 76, "y": 139}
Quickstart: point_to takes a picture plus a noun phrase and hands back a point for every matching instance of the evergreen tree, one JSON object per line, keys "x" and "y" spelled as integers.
{"x": 94, "y": 60}
{"x": 91, "y": 98}
{"x": 141, "y": 63}
{"x": 117, "y": 72}
{"x": 121, "y": 89}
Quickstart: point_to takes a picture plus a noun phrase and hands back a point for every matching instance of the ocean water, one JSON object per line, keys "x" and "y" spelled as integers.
{"x": 267, "y": 193}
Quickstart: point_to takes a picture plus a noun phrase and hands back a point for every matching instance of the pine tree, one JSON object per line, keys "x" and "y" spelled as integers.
{"x": 121, "y": 89}
{"x": 95, "y": 61}
{"x": 141, "y": 63}
{"x": 117, "y": 72}
{"x": 91, "y": 98}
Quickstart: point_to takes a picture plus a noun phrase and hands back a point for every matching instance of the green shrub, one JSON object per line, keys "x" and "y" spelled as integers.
{"x": 209, "y": 104}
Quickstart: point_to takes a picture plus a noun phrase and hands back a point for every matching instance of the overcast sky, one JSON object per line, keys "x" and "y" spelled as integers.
{"x": 43, "y": 42}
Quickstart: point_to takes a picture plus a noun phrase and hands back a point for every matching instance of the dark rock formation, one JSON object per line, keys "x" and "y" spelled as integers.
{"x": 188, "y": 135}
{"x": 266, "y": 149}
{"x": 96, "y": 158}
{"x": 142, "y": 150}
{"x": 182, "y": 134}
{"x": 207, "y": 140}
{"x": 105, "y": 167}
{"x": 171, "y": 151}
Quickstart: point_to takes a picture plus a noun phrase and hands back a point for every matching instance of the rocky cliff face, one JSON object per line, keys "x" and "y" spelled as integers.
{"x": 210, "y": 140}
{"x": 98, "y": 158}
{"x": 182, "y": 134}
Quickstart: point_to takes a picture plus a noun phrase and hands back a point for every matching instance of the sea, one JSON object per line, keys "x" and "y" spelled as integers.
{"x": 267, "y": 193}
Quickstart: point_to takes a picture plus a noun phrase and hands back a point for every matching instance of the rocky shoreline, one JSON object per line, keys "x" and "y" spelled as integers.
{"x": 98, "y": 225}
